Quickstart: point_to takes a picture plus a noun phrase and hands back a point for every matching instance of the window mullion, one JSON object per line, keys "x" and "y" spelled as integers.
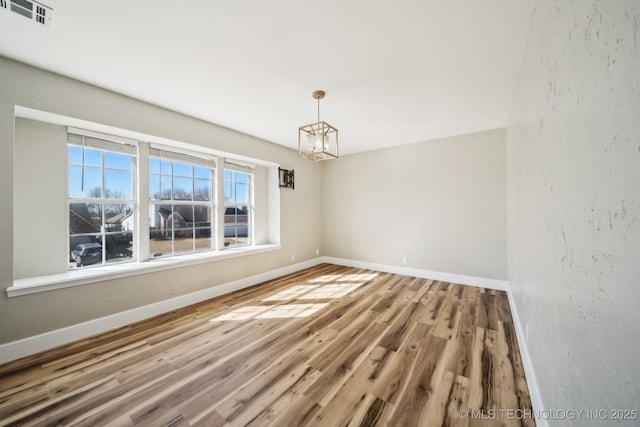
{"x": 103, "y": 229}
{"x": 219, "y": 205}
{"x": 141, "y": 240}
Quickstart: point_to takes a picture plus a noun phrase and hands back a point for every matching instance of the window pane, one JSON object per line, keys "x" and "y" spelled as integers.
{"x": 182, "y": 169}
{"x": 202, "y": 216}
{"x": 229, "y": 231}
{"x": 89, "y": 244}
{"x": 229, "y": 195}
{"x": 75, "y": 155}
{"x": 232, "y": 240}
{"x": 158, "y": 221}
{"x": 203, "y": 239}
{"x": 242, "y": 221}
{"x": 87, "y": 251}
{"x": 85, "y": 218}
{"x": 183, "y": 241}
{"x": 89, "y": 186}
{"x": 118, "y": 184}
{"x": 118, "y": 217}
{"x": 160, "y": 231}
{"x": 119, "y": 247}
{"x": 227, "y": 175}
{"x": 202, "y": 172}
{"x": 154, "y": 187}
{"x": 165, "y": 167}
{"x": 242, "y": 193}
{"x": 242, "y": 178}
{"x": 159, "y": 247}
{"x": 202, "y": 190}
{"x": 182, "y": 216}
{"x": 154, "y": 165}
{"x": 182, "y": 188}
{"x": 118, "y": 161}
{"x": 92, "y": 157}
{"x": 182, "y": 222}
{"x": 165, "y": 187}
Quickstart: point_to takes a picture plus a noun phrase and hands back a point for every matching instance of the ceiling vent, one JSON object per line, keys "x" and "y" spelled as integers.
{"x": 36, "y": 11}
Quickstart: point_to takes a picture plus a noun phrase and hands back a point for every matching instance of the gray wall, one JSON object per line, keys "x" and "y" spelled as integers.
{"x": 573, "y": 174}
{"x": 39, "y": 199}
{"x": 28, "y": 315}
{"x": 440, "y": 203}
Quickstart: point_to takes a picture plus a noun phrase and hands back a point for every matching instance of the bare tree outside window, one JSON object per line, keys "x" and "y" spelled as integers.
{"x": 101, "y": 213}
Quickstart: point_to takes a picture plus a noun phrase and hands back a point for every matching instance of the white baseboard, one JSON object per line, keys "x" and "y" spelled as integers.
{"x": 499, "y": 285}
{"x": 532, "y": 383}
{"x": 37, "y": 343}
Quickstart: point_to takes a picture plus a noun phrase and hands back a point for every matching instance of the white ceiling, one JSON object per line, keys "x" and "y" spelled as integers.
{"x": 395, "y": 72}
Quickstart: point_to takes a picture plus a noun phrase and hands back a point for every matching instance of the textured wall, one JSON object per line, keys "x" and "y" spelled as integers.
{"x": 439, "y": 203}
{"x": 573, "y": 200}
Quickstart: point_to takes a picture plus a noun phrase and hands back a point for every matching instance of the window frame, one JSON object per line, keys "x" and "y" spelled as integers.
{"x": 103, "y": 235}
{"x": 235, "y": 169}
{"x": 193, "y": 162}
{"x": 142, "y": 200}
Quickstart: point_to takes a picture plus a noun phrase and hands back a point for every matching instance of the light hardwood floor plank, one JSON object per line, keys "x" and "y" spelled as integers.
{"x": 325, "y": 346}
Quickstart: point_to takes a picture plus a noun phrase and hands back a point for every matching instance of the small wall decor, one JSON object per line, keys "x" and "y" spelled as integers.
{"x": 287, "y": 179}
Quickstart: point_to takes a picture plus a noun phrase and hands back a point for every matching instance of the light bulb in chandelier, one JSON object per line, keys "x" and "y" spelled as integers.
{"x": 318, "y": 143}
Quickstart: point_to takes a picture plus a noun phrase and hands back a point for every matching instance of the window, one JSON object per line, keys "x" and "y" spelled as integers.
{"x": 101, "y": 177}
{"x": 187, "y": 210}
{"x": 238, "y": 203}
{"x": 181, "y": 204}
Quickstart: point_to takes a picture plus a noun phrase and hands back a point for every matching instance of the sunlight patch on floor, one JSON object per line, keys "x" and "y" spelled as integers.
{"x": 291, "y": 293}
{"x": 336, "y": 290}
{"x": 270, "y": 312}
{"x": 328, "y": 286}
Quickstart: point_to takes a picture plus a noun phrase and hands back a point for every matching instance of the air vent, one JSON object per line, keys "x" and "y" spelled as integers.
{"x": 36, "y": 11}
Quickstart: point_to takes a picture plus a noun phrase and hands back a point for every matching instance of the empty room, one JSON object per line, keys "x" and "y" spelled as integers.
{"x": 346, "y": 213}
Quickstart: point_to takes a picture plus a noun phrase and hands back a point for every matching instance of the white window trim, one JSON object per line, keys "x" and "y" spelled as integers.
{"x": 33, "y": 285}
{"x": 251, "y": 213}
{"x": 147, "y": 202}
{"x": 144, "y": 265}
{"x": 121, "y": 143}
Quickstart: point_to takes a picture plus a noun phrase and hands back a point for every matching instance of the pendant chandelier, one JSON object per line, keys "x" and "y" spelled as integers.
{"x": 318, "y": 141}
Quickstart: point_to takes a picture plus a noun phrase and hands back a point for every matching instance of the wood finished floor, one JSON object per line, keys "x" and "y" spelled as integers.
{"x": 327, "y": 346}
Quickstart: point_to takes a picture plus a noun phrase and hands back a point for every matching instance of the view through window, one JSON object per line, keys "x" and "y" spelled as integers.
{"x": 101, "y": 206}
{"x": 237, "y": 202}
{"x": 181, "y": 203}
{"x": 180, "y": 207}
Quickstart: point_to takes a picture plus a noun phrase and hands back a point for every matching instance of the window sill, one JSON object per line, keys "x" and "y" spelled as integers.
{"x": 34, "y": 285}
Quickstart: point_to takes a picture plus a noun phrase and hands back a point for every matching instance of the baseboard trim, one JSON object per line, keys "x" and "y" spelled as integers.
{"x": 37, "y": 343}
{"x": 532, "y": 383}
{"x": 499, "y": 285}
